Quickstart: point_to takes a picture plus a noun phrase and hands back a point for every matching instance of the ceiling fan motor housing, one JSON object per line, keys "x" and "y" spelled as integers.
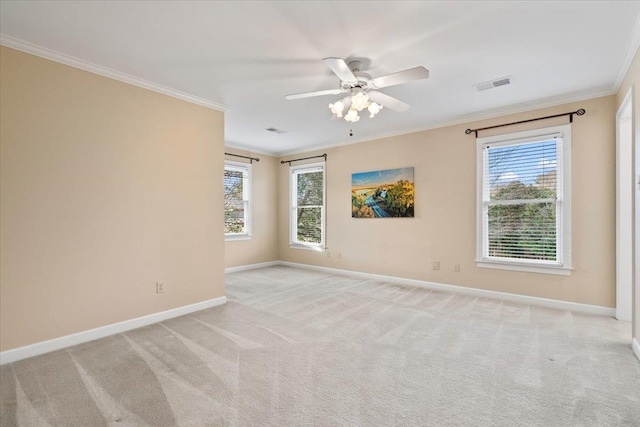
{"x": 362, "y": 82}
{"x": 362, "y": 79}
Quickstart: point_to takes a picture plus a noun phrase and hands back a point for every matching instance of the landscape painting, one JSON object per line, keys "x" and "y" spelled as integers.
{"x": 382, "y": 194}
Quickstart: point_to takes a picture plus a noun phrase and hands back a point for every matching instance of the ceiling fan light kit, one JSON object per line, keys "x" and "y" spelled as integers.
{"x": 359, "y": 101}
{"x": 363, "y": 90}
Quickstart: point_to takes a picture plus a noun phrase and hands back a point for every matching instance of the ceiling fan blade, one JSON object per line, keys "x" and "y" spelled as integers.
{"x": 417, "y": 73}
{"x": 341, "y": 69}
{"x": 317, "y": 93}
{"x": 388, "y": 102}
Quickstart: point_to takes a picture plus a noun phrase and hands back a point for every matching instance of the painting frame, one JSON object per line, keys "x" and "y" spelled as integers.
{"x": 383, "y": 193}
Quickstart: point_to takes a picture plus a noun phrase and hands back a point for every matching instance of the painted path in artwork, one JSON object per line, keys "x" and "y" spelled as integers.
{"x": 377, "y": 210}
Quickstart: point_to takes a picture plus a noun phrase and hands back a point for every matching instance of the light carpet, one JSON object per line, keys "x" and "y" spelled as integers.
{"x": 295, "y": 347}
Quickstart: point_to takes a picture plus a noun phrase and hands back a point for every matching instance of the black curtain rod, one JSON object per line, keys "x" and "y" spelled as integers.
{"x": 244, "y": 157}
{"x": 578, "y": 112}
{"x": 282, "y": 162}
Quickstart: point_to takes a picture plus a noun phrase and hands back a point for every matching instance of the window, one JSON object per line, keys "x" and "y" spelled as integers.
{"x": 307, "y": 206}
{"x": 524, "y": 201}
{"x": 237, "y": 209}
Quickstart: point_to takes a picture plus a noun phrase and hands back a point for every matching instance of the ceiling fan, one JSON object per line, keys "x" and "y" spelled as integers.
{"x": 362, "y": 90}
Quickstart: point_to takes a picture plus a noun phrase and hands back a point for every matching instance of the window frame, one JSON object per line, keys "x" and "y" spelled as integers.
{"x": 563, "y": 202}
{"x": 246, "y": 196}
{"x": 294, "y": 171}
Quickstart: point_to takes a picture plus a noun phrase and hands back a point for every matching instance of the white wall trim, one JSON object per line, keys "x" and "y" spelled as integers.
{"x": 42, "y": 347}
{"x": 251, "y": 266}
{"x": 624, "y": 208}
{"x": 634, "y": 44}
{"x": 522, "y": 299}
{"x": 636, "y": 347}
{"x": 467, "y": 120}
{"x": 71, "y": 61}
{"x": 247, "y": 149}
{"x": 62, "y": 58}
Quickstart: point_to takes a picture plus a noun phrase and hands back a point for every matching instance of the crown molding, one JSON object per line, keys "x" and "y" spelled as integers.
{"x": 253, "y": 150}
{"x": 634, "y": 44}
{"x": 71, "y": 61}
{"x": 465, "y": 120}
{"x": 116, "y": 75}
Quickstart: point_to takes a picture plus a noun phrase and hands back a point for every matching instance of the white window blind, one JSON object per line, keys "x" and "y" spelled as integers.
{"x": 307, "y": 205}
{"x": 523, "y": 218}
{"x": 236, "y": 199}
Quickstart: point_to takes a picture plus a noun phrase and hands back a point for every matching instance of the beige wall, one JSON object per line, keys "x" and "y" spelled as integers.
{"x": 106, "y": 188}
{"x": 444, "y": 226}
{"x": 263, "y": 245}
{"x": 632, "y": 80}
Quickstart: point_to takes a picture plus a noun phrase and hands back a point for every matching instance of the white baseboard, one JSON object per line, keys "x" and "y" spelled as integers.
{"x": 636, "y": 347}
{"x": 251, "y": 266}
{"x": 522, "y": 299}
{"x": 42, "y": 347}
{"x": 93, "y": 334}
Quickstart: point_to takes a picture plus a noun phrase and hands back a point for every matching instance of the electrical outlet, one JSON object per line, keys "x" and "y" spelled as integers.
{"x": 435, "y": 265}
{"x": 159, "y": 287}
{"x": 339, "y": 255}
{"x": 456, "y": 268}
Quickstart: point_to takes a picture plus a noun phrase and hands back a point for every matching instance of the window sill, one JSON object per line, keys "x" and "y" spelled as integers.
{"x": 526, "y": 267}
{"x": 233, "y": 237}
{"x": 309, "y": 247}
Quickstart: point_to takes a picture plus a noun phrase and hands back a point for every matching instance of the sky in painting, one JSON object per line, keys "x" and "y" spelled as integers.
{"x": 376, "y": 178}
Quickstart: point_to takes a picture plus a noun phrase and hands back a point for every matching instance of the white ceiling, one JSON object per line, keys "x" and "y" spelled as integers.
{"x": 249, "y": 55}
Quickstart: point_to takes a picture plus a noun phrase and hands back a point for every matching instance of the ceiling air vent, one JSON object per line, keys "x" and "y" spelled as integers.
{"x": 274, "y": 130}
{"x": 502, "y": 81}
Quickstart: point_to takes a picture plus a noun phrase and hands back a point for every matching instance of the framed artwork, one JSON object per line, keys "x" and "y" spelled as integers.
{"x": 382, "y": 194}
